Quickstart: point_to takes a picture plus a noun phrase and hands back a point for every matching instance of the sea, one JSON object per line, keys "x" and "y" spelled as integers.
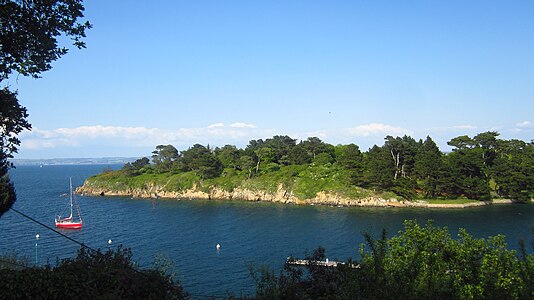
{"x": 185, "y": 232}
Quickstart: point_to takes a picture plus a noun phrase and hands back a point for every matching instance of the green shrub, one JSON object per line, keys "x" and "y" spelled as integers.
{"x": 91, "y": 275}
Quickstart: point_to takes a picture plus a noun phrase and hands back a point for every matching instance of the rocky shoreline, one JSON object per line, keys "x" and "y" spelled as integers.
{"x": 280, "y": 196}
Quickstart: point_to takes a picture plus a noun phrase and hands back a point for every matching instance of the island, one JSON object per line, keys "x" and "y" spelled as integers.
{"x": 401, "y": 173}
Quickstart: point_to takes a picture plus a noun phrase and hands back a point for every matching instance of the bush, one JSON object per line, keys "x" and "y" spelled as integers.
{"x": 417, "y": 263}
{"x": 91, "y": 275}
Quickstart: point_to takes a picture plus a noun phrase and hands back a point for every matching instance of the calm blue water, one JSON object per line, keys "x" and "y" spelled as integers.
{"x": 187, "y": 231}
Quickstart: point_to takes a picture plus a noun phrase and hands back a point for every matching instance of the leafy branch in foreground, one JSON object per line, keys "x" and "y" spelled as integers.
{"x": 29, "y": 35}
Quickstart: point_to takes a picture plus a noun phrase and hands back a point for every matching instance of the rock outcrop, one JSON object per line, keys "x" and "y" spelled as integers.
{"x": 281, "y": 195}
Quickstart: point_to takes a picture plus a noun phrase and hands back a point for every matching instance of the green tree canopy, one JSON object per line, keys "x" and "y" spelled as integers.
{"x": 201, "y": 160}
{"x": 164, "y": 157}
{"x": 379, "y": 168}
{"x": 408, "y": 168}
{"x": 461, "y": 142}
{"x": 29, "y": 35}
{"x": 229, "y": 156}
{"x": 419, "y": 262}
{"x": 314, "y": 146}
{"x": 13, "y": 117}
{"x": 30, "y": 31}
{"x": 135, "y": 167}
{"x": 429, "y": 166}
{"x": 351, "y": 159}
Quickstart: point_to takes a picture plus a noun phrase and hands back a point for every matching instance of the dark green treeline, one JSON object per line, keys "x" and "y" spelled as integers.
{"x": 481, "y": 167}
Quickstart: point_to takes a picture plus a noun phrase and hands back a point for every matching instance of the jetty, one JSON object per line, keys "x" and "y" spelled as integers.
{"x": 321, "y": 263}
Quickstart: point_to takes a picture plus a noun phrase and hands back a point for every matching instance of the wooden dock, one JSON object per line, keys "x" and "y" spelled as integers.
{"x": 322, "y": 263}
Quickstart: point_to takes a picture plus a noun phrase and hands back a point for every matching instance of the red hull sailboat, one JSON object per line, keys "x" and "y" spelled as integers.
{"x": 70, "y": 222}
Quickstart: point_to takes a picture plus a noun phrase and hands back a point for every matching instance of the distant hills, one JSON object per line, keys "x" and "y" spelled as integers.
{"x": 73, "y": 161}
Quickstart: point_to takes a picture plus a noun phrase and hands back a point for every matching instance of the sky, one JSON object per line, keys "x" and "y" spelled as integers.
{"x": 227, "y": 72}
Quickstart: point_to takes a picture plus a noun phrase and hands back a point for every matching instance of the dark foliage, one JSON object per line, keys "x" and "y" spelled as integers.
{"x": 478, "y": 168}
{"x": 91, "y": 275}
{"x": 417, "y": 263}
{"x": 29, "y": 35}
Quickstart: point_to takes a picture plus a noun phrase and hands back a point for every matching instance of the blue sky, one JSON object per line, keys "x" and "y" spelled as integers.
{"x": 226, "y": 72}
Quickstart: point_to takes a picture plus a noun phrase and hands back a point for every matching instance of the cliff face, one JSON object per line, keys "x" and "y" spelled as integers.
{"x": 281, "y": 196}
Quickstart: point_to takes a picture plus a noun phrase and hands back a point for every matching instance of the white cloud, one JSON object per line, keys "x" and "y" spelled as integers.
{"x": 376, "y": 129}
{"x": 139, "y": 137}
{"x": 216, "y": 125}
{"x": 242, "y": 125}
{"x": 525, "y": 124}
{"x": 99, "y": 131}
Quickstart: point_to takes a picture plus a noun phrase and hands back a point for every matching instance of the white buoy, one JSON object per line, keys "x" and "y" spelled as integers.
{"x": 110, "y": 241}
{"x": 218, "y": 246}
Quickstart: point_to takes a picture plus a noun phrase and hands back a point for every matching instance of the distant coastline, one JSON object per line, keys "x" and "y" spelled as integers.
{"x": 73, "y": 161}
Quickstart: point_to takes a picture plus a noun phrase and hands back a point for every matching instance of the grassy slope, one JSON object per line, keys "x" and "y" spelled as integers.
{"x": 305, "y": 181}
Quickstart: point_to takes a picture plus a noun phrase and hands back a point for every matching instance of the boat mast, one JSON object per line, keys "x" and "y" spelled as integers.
{"x": 70, "y": 195}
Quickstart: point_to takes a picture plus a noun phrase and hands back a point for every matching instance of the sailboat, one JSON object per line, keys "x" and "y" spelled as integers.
{"x": 70, "y": 222}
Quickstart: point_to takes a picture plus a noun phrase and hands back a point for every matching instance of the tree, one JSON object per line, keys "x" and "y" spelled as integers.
{"x": 323, "y": 158}
{"x": 466, "y": 174}
{"x": 314, "y": 146}
{"x": 134, "y": 168}
{"x": 379, "y": 168}
{"x": 299, "y": 156}
{"x": 427, "y": 263}
{"x": 403, "y": 151}
{"x": 164, "y": 157}
{"x": 419, "y": 262}
{"x": 351, "y": 159}
{"x": 246, "y": 163}
{"x": 228, "y": 156}
{"x": 461, "y": 143}
{"x": 201, "y": 160}
{"x": 29, "y": 34}
{"x": 281, "y": 146}
{"x": 488, "y": 142}
{"x": 141, "y": 163}
{"x": 513, "y": 170}
{"x": 429, "y": 166}
{"x": 265, "y": 155}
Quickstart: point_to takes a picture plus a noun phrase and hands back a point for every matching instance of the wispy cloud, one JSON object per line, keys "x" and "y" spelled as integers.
{"x": 376, "y": 129}
{"x": 216, "y": 125}
{"x": 117, "y": 136}
{"x": 461, "y": 127}
{"x": 242, "y": 125}
{"x": 525, "y": 125}
{"x": 450, "y": 131}
{"x": 90, "y": 141}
